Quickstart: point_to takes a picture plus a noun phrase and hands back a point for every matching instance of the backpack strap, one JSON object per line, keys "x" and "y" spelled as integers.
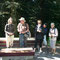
{"x": 55, "y": 30}
{"x": 26, "y": 25}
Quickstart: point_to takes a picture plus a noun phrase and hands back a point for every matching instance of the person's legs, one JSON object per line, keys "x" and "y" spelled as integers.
{"x": 54, "y": 51}
{"x": 36, "y": 43}
{"x": 21, "y": 39}
{"x": 44, "y": 40}
{"x": 54, "y": 46}
{"x": 45, "y": 43}
{"x": 7, "y": 41}
{"x": 51, "y": 44}
{"x": 41, "y": 41}
{"x": 11, "y": 40}
{"x": 25, "y": 42}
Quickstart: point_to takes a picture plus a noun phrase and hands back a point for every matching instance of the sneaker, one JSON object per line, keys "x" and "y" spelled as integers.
{"x": 40, "y": 51}
{"x": 34, "y": 50}
{"x": 53, "y": 54}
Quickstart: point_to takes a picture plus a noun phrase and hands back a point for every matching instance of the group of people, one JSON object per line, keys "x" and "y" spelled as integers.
{"x": 40, "y": 32}
{"x": 41, "y": 36}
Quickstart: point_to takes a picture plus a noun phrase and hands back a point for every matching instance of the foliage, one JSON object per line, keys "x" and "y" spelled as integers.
{"x": 46, "y": 10}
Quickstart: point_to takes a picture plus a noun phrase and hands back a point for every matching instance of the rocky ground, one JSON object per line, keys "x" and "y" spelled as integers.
{"x": 47, "y": 55}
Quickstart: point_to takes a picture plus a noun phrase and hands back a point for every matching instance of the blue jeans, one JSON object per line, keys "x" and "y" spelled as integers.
{"x": 44, "y": 40}
{"x": 21, "y": 40}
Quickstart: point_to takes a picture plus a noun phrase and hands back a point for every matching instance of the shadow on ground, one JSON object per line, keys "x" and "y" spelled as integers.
{"x": 47, "y": 55}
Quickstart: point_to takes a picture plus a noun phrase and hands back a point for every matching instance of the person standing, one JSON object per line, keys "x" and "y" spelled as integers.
{"x": 22, "y": 28}
{"x": 9, "y": 32}
{"x": 45, "y": 34}
{"x": 53, "y": 34}
{"x": 39, "y": 35}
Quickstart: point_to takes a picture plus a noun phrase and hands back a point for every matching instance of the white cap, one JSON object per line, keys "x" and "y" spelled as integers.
{"x": 22, "y": 18}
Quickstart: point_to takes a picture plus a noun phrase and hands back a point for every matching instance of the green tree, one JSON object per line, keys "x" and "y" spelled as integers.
{"x": 46, "y": 10}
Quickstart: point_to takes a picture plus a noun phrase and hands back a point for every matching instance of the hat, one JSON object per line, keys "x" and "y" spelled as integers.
{"x": 45, "y": 24}
{"x": 22, "y": 18}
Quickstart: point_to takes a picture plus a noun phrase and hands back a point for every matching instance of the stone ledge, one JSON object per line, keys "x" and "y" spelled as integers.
{"x": 17, "y": 39}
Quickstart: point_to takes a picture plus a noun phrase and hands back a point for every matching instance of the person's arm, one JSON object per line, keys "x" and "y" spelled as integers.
{"x": 27, "y": 28}
{"x": 42, "y": 31}
{"x": 45, "y": 31}
{"x": 13, "y": 29}
{"x": 18, "y": 28}
{"x": 49, "y": 33}
{"x": 6, "y": 29}
{"x": 56, "y": 32}
{"x": 35, "y": 31}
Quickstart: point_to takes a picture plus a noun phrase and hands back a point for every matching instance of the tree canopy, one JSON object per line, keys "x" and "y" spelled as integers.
{"x": 46, "y": 10}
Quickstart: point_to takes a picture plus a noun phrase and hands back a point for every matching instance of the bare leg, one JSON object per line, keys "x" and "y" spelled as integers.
{"x": 54, "y": 51}
{"x": 34, "y": 49}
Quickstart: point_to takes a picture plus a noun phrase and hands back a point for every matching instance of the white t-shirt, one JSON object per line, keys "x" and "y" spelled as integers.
{"x": 38, "y": 27}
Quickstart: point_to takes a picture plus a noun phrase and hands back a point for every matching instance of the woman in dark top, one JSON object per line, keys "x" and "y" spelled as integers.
{"x": 45, "y": 34}
{"x": 39, "y": 35}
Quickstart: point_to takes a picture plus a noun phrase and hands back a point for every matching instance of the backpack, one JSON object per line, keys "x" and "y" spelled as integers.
{"x": 27, "y": 34}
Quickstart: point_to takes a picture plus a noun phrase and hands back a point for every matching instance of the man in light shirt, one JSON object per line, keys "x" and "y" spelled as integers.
{"x": 22, "y": 28}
